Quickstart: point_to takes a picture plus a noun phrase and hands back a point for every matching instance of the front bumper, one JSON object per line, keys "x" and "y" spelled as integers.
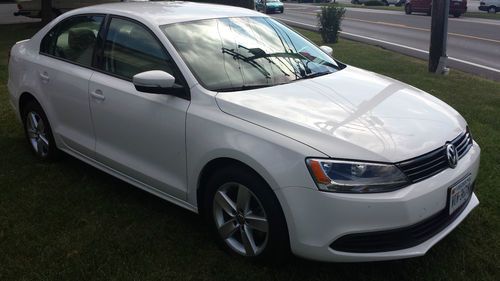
{"x": 317, "y": 219}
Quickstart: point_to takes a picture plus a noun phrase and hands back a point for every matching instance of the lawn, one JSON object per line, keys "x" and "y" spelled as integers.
{"x": 69, "y": 221}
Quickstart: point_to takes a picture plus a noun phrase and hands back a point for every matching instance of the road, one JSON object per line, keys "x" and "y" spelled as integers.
{"x": 473, "y": 44}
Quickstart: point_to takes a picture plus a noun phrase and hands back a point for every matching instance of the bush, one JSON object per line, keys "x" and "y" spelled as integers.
{"x": 374, "y": 3}
{"x": 329, "y": 20}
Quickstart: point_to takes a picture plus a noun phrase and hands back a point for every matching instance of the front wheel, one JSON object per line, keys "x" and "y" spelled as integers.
{"x": 456, "y": 15}
{"x": 246, "y": 216}
{"x": 492, "y": 10}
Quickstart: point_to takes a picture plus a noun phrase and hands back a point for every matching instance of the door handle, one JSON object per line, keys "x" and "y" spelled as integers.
{"x": 97, "y": 95}
{"x": 44, "y": 76}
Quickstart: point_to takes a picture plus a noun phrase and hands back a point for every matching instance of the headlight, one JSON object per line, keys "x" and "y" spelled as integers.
{"x": 355, "y": 177}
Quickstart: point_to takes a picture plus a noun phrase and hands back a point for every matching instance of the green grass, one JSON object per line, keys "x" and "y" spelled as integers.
{"x": 482, "y": 15}
{"x": 68, "y": 221}
{"x": 388, "y": 8}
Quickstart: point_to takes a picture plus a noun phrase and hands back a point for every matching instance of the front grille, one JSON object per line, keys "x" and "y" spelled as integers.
{"x": 397, "y": 239}
{"x": 429, "y": 164}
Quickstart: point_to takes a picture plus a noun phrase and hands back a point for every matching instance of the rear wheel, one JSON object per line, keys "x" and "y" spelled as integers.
{"x": 456, "y": 15}
{"x": 492, "y": 9}
{"x": 38, "y": 132}
{"x": 246, "y": 216}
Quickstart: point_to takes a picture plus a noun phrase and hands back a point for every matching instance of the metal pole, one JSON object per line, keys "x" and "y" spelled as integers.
{"x": 439, "y": 33}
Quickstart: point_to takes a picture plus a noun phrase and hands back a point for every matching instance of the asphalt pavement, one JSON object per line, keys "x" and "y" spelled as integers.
{"x": 473, "y": 43}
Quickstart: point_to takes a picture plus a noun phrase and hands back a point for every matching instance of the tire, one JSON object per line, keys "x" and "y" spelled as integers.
{"x": 39, "y": 133}
{"x": 456, "y": 15}
{"x": 408, "y": 10}
{"x": 252, "y": 225}
{"x": 385, "y": 3}
{"x": 492, "y": 9}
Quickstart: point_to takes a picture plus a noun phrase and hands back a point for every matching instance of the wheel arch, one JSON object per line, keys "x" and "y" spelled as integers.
{"x": 24, "y": 99}
{"x": 218, "y": 163}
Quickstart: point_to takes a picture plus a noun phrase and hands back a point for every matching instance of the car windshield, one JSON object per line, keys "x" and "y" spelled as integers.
{"x": 232, "y": 54}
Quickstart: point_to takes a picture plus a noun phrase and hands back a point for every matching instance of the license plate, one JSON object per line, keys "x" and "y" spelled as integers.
{"x": 460, "y": 193}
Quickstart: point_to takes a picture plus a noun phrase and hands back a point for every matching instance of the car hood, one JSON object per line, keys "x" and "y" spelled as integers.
{"x": 350, "y": 114}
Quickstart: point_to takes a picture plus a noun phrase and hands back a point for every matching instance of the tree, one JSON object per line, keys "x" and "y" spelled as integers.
{"x": 46, "y": 12}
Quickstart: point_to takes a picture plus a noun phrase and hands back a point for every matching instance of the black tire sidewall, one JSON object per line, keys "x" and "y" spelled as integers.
{"x": 408, "y": 9}
{"x": 278, "y": 247}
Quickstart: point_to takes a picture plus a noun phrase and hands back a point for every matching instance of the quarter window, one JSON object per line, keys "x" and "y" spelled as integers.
{"x": 73, "y": 39}
{"x": 130, "y": 49}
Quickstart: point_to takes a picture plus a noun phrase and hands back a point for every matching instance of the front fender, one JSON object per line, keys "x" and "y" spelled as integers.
{"x": 213, "y": 134}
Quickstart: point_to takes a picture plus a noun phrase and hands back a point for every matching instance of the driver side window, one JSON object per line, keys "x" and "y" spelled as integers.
{"x": 130, "y": 49}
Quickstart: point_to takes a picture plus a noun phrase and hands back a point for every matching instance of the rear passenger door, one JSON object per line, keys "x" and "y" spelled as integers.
{"x": 141, "y": 135}
{"x": 64, "y": 68}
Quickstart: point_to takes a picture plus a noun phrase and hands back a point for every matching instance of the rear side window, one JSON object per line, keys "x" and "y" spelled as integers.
{"x": 130, "y": 48}
{"x": 73, "y": 39}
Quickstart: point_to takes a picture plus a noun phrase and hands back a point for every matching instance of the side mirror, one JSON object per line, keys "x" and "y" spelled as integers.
{"x": 154, "y": 81}
{"x": 327, "y": 50}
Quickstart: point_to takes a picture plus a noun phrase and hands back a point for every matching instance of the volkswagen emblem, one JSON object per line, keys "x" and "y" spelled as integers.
{"x": 451, "y": 155}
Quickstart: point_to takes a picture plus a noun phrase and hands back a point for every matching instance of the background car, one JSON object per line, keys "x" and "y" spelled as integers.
{"x": 491, "y": 6}
{"x": 385, "y": 2}
{"x": 272, "y": 6}
{"x": 457, "y": 7}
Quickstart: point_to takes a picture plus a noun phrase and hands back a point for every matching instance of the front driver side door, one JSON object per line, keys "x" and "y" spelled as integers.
{"x": 138, "y": 134}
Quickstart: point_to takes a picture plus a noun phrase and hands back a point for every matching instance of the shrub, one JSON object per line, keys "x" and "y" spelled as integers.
{"x": 329, "y": 20}
{"x": 374, "y": 3}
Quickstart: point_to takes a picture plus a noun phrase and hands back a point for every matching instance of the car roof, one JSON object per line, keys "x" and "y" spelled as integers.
{"x": 167, "y": 12}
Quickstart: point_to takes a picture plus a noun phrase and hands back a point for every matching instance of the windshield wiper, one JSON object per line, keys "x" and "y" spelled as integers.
{"x": 244, "y": 87}
{"x": 316, "y": 74}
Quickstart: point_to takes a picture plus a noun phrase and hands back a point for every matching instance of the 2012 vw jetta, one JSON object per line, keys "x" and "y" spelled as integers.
{"x": 231, "y": 114}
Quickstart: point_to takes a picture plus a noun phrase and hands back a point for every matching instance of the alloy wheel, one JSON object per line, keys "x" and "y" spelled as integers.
{"x": 240, "y": 219}
{"x": 37, "y": 134}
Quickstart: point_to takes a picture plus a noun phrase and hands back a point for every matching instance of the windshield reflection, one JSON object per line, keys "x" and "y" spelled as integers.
{"x": 233, "y": 54}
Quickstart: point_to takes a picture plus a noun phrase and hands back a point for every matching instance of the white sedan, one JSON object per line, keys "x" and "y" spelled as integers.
{"x": 231, "y": 114}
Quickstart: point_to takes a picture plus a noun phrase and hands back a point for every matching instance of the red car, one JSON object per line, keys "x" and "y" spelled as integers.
{"x": 457, "y": 7}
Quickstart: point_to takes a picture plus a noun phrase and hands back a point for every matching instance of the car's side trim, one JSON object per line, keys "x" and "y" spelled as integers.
{"x": 130, "y": 180}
